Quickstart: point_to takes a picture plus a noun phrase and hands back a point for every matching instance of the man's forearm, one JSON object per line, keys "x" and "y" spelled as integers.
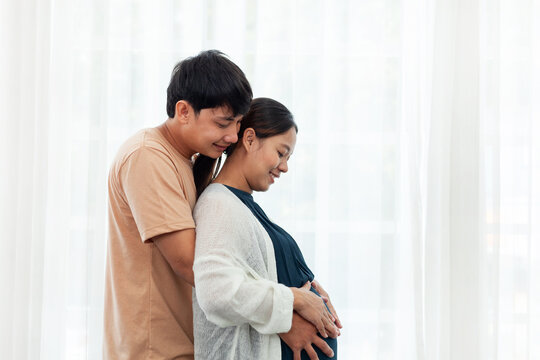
{"x": 178, "y": 248}
{"x": 185, "y": 272}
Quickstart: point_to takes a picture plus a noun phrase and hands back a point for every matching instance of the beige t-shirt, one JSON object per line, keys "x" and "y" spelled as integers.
{"x": 148, "y": 312}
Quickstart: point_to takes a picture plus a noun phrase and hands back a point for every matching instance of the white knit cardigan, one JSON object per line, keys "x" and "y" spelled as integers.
{"x": 238, "y": 306}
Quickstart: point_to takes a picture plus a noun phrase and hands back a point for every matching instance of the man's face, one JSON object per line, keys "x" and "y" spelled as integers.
{"x": 213, "y": 130}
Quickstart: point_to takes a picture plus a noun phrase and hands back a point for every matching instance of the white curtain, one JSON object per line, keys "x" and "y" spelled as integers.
{"x": 414, "y": 190}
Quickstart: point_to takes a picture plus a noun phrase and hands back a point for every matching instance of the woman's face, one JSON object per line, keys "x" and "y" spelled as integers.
{"x": 269, "y": 159}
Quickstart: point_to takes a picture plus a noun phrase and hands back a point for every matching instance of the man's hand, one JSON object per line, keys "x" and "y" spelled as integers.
{"x": 302, "y": 336}
{"x": 324, "y": 294}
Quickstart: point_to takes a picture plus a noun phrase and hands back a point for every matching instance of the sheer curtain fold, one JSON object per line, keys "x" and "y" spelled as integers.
{"x": 475, "y": 303}
{"x": 25, "y": 107}
{"x": 37, "y": 201}
{"x": 436, "y": 225}
{"x": 464, "y": 189}
{"x": 413, "y": 191}
{"x": 534, "y": 239}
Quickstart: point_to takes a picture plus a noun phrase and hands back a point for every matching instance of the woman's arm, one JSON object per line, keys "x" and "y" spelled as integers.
{"x": 228, "y": 290}
{"x": 230, "y": 295}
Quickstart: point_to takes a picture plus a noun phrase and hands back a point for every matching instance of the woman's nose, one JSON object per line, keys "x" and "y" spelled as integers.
{"x": 283, "y": 166}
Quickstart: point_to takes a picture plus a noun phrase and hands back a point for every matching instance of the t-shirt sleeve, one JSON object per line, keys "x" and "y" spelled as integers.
{"x": 155, "y": 193}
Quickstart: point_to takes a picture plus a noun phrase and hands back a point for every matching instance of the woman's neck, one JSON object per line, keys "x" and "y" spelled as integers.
{"x": 232, "y": 175}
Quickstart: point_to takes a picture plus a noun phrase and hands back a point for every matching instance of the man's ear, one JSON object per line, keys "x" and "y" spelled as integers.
{"x": 248, "y": 139}
{"x": 182, "y": 111}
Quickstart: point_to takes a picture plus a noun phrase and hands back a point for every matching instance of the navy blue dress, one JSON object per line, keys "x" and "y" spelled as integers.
{"x": 292, "y": 270}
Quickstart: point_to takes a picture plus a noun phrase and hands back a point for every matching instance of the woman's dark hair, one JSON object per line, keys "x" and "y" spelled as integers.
{"x": 267, "y": 117}
{"x": 209, "y": 80}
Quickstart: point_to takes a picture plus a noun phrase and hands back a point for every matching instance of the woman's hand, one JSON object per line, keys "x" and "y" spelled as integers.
{"x": 325, "y": 295}
{"x": 312, "y": 308}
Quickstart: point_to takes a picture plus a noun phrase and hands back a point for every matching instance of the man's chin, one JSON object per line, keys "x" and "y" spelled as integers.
{"x": 213, "y": 154}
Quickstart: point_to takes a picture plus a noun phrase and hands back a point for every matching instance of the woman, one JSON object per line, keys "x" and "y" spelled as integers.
{"x": 238, "y": 307}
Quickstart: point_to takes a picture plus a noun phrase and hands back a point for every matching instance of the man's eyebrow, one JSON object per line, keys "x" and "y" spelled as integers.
{"x": 228, "y": 118}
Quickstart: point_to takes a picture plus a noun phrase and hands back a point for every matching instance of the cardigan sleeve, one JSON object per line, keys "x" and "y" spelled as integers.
{"x": 228, "y": 290}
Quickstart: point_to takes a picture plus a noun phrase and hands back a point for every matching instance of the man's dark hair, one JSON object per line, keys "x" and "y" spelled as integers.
{"x": 209, "y": 80}
{"x": 205, "y": 81}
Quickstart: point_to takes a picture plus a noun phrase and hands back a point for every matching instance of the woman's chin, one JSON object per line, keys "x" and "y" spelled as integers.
{"x": 262, "y": 188}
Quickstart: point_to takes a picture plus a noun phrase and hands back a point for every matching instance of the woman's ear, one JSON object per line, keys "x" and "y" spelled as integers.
{"x": 248, "y": 139}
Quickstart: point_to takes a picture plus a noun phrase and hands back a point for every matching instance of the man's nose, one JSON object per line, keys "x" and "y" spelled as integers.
{"x": 232, "y": 135}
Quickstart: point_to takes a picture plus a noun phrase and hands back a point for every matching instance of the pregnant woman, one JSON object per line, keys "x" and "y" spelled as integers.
{"x": 250, "y": 274}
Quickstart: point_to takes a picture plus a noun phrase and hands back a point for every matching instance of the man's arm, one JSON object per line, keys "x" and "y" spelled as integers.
{"x": 302, "y": 336}
{"x": 178, "y": 248}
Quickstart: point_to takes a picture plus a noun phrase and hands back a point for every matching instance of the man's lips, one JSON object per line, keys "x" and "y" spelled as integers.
{"x": 221, "y": 147}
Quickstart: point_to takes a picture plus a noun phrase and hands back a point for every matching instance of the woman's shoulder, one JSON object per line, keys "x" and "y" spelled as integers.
{"x": 215, "y": 192}
{"x": 216, "y": 198}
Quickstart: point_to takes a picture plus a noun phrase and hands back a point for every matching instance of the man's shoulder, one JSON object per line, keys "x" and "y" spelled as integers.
{"x": 146, "y": 138}
{"x": 129, "y": 146}
{"x": 149, "y": 142}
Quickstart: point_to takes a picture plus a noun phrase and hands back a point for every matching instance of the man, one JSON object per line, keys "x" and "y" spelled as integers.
{"x": 149, "y": 276}
{"x": 151, "y": 195}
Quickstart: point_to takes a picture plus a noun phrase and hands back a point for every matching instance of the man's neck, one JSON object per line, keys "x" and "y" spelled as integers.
{"x": 173, "y": 135}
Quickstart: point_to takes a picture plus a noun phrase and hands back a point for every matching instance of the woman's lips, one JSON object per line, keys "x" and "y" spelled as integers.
{"x": 273, "y": 177}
